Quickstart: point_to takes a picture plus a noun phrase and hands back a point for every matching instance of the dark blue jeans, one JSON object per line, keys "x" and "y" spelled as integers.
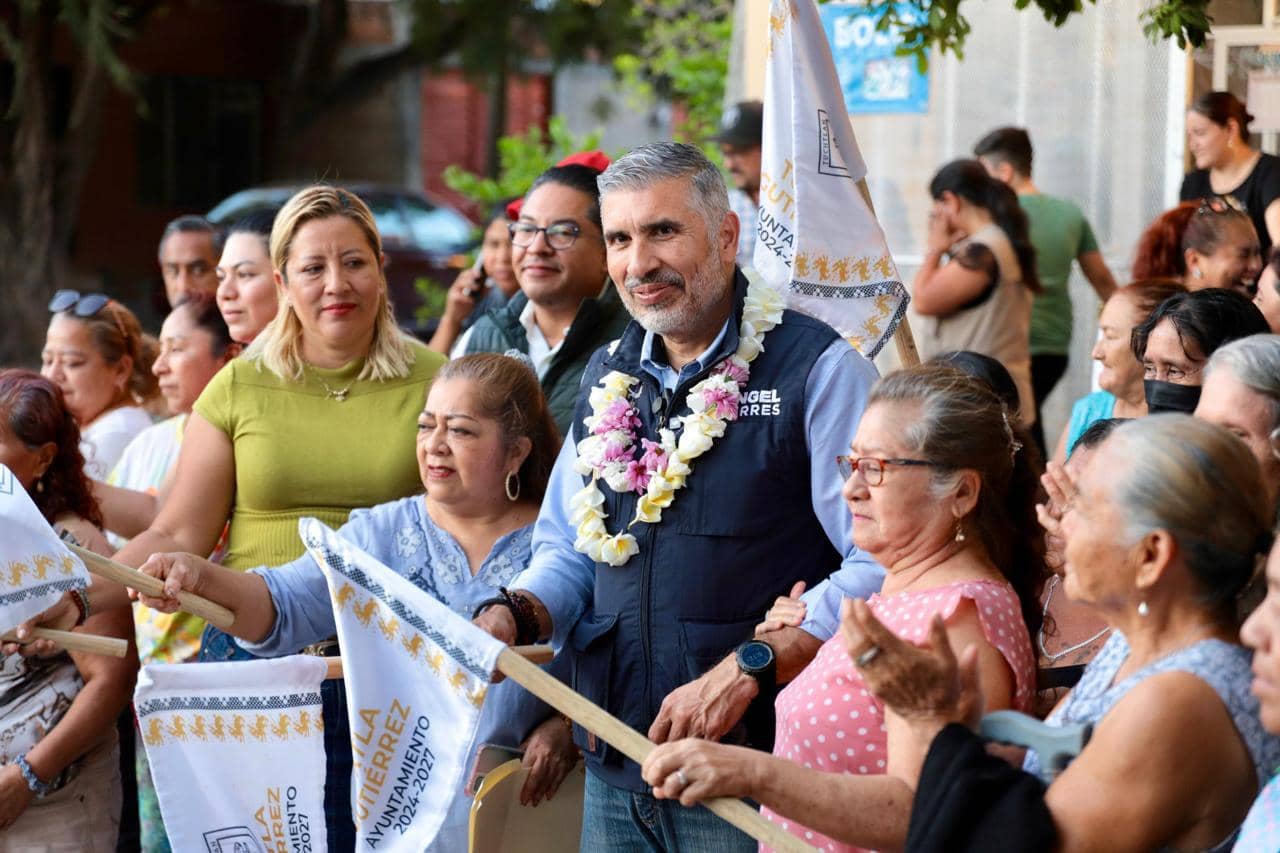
{"x": 218, "y": 647}
{"x": 622, "y": 821}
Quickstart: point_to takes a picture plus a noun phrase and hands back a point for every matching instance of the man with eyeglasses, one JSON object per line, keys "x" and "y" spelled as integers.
{"x": 567, "y": 307}
{"x": 188, "y": 257}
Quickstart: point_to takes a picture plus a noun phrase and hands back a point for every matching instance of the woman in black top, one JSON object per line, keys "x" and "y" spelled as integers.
{"x": 1218, "y": 138}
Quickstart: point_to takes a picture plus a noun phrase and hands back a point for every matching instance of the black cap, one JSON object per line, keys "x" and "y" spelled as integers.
{"x": 742, "y": 125}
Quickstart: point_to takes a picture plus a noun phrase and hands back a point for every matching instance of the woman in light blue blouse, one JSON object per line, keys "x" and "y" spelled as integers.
{"x": 486, "y": 444}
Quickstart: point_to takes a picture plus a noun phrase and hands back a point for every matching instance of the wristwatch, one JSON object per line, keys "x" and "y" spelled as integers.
{"x": 756, "y": 659}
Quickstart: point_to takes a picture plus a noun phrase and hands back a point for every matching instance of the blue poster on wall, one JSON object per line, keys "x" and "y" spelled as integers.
{"x": 873, "y": 77}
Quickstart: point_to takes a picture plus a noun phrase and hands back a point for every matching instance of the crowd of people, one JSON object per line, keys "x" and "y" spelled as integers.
{"x": 804, "y": 581}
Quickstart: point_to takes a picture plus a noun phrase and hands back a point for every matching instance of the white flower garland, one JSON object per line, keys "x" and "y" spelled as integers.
{"x": 656, "y": 470}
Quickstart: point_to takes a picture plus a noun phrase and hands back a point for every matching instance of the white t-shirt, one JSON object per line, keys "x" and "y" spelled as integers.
{"x": 103, "y": 441}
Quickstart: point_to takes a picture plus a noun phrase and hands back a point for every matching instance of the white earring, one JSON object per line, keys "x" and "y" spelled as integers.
{"x": 513, "y": 494}
{"x": 1143, "y": 609}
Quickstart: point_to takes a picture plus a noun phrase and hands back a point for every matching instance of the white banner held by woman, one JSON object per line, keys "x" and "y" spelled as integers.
{"x": 416, "y": 675}
{"x": 35, "y": 566}
{"x": 237, "y": 753}
{"x": 818, "y": 241}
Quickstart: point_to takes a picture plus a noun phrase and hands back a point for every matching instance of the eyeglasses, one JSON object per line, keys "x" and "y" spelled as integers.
{"x": 1164, "y": 372}
{"x": 559, "y": 236}
{"x": 871, "y": 468}
{"x": 81, "y": 306}
{"x": 1220, "y": 204}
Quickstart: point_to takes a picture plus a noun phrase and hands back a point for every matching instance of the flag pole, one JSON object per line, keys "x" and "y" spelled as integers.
{"x": 214, "y": 614}
{"x": 537, "y": 654}
{"x": 903, "y": 340}
{"x": 634, "y": 745}
{"x": 71, "y": 641}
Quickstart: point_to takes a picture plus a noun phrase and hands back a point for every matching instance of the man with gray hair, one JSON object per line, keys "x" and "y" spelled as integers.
{"x": 188, "y": 257}
{"x": 1242, "y": 393}
{"x": 697, "y": 485}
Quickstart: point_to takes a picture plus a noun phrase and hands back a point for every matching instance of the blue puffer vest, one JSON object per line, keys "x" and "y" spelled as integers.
{"x": 738, "y": 535}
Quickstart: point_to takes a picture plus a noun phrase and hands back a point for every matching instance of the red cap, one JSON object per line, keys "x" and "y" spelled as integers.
{"x": 597, "y": 161}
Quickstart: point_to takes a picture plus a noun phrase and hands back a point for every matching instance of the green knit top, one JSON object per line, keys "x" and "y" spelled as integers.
{"x": 300, "y": 451}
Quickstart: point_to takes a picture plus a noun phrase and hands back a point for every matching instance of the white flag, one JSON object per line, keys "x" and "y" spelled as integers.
{"x": 416, "y": 676}
{"x": 817, "y": 240}
{"x": 36, "y": 568}
{"x": 237, "y": 753}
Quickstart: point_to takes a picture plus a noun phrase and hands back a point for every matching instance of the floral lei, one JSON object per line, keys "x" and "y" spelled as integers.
{"x": 655, "y": 470}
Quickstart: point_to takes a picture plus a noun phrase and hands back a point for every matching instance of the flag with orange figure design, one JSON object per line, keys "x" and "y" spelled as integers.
{"x": 36, "y": 568}
{"x": 236, "y": 752}
{"x": 416, "y": 676}
{"x": 818, "y": 241}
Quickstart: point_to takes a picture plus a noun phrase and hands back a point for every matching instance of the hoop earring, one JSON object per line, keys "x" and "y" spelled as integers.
{"x": 959, "y": 531}
{"x": 512, "y": 494}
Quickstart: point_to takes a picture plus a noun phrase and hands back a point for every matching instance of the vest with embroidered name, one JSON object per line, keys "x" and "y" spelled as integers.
{"x": 739, "y": 534}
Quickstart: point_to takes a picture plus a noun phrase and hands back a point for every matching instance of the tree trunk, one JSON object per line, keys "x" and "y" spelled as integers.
{"x": 27, "y": 249}
{"x": 497, "y": 106}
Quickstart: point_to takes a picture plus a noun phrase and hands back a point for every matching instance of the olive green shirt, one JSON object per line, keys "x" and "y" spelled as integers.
{"x": 1060, "y": 234}
{"x": 301, "y": 452}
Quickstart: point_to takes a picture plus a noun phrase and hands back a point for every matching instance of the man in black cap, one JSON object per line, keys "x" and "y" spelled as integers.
{"x": 741, "y": 131}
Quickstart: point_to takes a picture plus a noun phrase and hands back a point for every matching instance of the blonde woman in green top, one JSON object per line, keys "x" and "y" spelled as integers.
{"x": 317, "y": 418}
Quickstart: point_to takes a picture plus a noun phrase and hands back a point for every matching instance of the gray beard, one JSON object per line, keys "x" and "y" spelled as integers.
{"x": 690, "y": 314}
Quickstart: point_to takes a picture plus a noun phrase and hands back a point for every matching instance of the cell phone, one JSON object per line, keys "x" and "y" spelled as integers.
{"x": 477, "y": 268}
{"x": 489, "y": 757}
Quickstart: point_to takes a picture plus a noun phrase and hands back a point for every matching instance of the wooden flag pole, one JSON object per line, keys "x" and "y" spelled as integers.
{"x": 214, "y": 614}
{"x": 537, "y": 654}
{"x": 634, "y": 745}
{"x": 98, "y": 645}
{"x": 902, "y": 337}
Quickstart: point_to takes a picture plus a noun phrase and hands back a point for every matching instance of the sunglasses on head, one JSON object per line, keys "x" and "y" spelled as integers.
{"x": 1220, "y": 204}
{"x": 82, "y": 306}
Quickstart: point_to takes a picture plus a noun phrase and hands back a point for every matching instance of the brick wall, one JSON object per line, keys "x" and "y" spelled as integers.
{"x": 455, "y": 119}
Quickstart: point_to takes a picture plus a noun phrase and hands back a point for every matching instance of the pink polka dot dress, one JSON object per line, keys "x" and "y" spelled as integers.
{"x": 827, "y": 719}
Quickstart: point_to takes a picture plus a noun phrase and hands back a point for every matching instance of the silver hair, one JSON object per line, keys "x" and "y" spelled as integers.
{"x": 663, "y": 161}
{"x": 1255, "y": 362}
{"x": 1197, "y": 481}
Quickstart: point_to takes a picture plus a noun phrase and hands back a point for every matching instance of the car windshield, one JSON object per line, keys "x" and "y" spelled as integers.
{"x": 437, "y": 229}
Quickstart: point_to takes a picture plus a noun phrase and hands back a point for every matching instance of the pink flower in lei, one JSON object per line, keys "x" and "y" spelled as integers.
{"x": 738, "y": 371}
{"x": 654, "y": 458}
{"x": 619, "y": 416}
{"x": 724, "y": 401}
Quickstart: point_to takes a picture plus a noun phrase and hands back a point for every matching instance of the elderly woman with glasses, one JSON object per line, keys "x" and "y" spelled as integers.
{"x": 1164, "y": 530}
{"x": 1175, "y": 341}
{"x": 96, "y": 354}
{"x": 941, "y": 490}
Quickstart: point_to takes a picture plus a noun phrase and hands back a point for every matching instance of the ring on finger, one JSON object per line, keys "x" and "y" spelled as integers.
{"x": 681, "y": 778}
{"x": 871, "y": 653}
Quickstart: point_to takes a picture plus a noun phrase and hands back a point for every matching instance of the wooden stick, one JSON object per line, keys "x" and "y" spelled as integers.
{"x": 93, "y": 643}
{"x": 215, "y": 614}
{"x": 906, "y": 344}
{"x": 902, "y": 337}
{"x": 537, "y": 654}
{"x": 635, "y": 746}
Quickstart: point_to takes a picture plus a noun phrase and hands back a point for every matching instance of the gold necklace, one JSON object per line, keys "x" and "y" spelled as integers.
{"x": 339, "y": 395}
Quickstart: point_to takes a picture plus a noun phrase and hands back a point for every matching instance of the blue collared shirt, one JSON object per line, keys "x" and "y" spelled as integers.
{"x": 835, "y": 395}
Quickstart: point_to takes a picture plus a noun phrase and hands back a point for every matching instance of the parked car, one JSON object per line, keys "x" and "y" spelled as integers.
{"x": 422, "y": 238}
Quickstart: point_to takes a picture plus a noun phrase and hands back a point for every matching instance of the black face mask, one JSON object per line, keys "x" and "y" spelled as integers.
{"x": 1170, "y": 397}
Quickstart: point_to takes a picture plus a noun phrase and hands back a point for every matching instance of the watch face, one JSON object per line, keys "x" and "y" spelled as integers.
{"x": 756, "y": 655}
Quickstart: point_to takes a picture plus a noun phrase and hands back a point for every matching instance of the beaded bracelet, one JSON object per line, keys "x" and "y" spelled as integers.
{"x": 29, "y": 776}
{"x": 522, "y": 612}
